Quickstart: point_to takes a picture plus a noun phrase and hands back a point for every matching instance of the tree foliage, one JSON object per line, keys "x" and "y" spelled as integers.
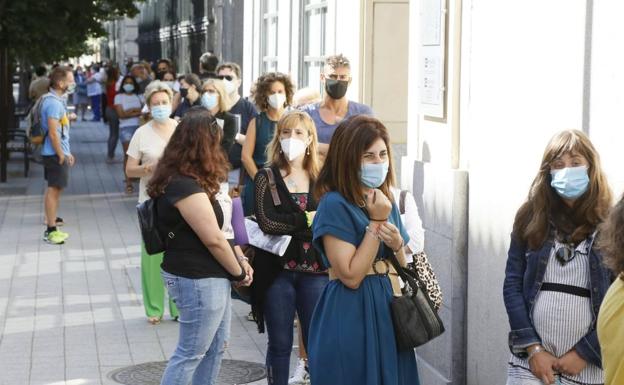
{"x": 49, "y": 30}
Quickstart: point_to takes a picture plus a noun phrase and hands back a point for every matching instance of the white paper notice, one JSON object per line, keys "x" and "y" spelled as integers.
{"x": 276, "y": 244}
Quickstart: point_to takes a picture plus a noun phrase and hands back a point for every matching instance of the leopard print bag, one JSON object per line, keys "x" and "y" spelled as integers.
{"x": 422, "y": 267}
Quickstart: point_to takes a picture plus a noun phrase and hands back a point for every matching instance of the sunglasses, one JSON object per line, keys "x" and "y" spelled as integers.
{"x": 225, "y": 77}
{"x": 566, "y": 253}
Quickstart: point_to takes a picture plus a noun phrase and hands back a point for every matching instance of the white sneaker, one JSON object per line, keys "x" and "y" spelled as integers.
{"x": 301, "y": 376}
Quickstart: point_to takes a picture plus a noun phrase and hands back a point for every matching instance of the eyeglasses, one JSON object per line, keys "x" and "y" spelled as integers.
{"x": 225, "y": 77}
{"x": 566, "y": 252}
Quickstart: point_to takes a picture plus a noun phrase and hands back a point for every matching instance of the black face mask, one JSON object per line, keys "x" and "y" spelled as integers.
{"x": 184, "y": 92}
{"x": 336, "y": 89}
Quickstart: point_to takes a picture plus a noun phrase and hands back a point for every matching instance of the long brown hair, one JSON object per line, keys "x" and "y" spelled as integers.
{"x": 544, "y": 205}
{"x": 611, "y": 240}
{"x": 341, "y": 171}
{"x": 276, "y": 157}
{"x": 194, "y": 150}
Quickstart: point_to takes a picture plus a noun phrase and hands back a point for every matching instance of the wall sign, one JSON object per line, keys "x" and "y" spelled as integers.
{"x": 432, "y": 57}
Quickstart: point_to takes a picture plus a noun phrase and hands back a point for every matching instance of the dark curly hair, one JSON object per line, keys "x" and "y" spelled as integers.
{"x": 611, "y": 239}
{"x": 263, "y": 88}
{"x": 194, "y": 150}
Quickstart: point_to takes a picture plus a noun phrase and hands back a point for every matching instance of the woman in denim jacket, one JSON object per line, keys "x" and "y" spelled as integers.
{"x": 555, "y": 279}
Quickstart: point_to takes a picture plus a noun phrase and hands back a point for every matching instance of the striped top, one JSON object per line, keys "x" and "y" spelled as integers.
{"x": 562, "y": 319}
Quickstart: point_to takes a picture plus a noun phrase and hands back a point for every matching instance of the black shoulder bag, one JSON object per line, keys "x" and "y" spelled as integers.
{"x": 414, "y": 317}
{"x": 148, "y": 217}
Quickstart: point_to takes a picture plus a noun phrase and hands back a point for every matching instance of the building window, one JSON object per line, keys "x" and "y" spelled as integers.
{"x": 269, "y": 36}
{"x": 313, "y": 45}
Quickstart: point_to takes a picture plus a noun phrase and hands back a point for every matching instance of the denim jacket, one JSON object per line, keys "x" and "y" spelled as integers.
{"x": 524, "y": 276}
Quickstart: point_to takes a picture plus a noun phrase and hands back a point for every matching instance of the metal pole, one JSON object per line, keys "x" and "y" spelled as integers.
{"x": 4, "y": 111}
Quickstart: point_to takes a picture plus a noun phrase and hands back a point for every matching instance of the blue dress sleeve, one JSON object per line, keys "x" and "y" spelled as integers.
{"x": 335, "y": 217}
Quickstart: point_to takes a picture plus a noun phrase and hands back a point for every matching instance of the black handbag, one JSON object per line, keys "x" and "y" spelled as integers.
{"x": 414, "y": 317}
{"x": 152, "y": 238}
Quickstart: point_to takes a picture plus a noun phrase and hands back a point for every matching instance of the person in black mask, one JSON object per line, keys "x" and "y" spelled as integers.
{"x": 190, "y": 91}
{"x": 335, "y": 107}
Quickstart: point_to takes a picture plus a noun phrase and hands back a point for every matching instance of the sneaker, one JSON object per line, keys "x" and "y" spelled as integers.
{"x": 301, "y": 375}
{"x": 64, "y": 234}
{"x": 55, "y": 237}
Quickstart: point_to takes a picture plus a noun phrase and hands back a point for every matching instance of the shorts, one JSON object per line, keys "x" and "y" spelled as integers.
{"x": 125, "y": 133}
{"x": 56, "y": 174}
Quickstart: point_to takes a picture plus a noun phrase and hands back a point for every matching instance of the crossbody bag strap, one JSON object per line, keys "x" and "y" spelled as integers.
{"x": 169, "y": 235}
{"x": 276, "y": 199}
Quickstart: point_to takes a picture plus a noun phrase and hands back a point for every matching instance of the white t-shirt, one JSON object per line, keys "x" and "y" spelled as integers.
{"x": 127, "y": 102}
{"x": 147, "y": 147}
{"x": 411, "y": 222}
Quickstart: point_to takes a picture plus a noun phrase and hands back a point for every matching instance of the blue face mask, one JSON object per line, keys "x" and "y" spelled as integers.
{"x": 373, "y": 175}
{"x": 161, "y": 113}
{"x": 208, "y": 100}
{"x": 570, "y": 182}
{"x": 128, "y": 87}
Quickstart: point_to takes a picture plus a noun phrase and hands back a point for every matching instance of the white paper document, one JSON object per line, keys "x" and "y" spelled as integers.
{"x": 276, "y": 244}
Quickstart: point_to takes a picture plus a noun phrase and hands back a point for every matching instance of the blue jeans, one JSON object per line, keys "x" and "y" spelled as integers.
{"x": 205, "y": 313}
{"x": 291, "y": 291}
{"x": 96, "y": 107}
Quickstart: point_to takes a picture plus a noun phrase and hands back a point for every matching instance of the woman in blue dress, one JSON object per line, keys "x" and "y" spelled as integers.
{"x": 351, "y": 339}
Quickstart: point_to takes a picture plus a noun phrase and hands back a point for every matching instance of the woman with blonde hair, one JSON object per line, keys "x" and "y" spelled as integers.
{"x": 215, "y": 99}
{"x": 555, "y": 278}
{"x": 291, "y": 283}
{"x": 611, "y": 315}
{"x": 144, "y": 151}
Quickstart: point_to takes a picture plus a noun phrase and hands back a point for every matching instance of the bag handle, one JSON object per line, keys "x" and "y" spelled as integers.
{"x": 409, "y": 277}
{"x": 402, "y": 202}
{"x": 276, "y": 199}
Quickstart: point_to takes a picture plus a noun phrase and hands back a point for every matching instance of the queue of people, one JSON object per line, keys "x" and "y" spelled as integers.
{"x": 322, "y": 174}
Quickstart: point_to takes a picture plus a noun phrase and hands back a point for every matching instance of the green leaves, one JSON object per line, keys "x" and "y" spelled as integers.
{"x": 56, "y": 29}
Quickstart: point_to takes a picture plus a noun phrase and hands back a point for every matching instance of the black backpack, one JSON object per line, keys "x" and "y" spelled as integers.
{"x": 153, "y": 239}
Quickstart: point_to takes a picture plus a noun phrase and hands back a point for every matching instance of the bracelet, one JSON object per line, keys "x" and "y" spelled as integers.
{"x": 240, "y": 277}
{"x": 378, "y": 220}
{"x": 372, "y": 232}
{"x": 400, "y": 247}
{"x": 537, "y": 349}
{"x": 242, "y": 258}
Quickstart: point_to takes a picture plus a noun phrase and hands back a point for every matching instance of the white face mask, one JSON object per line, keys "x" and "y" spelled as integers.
{"x": 293, "y": 148}
{"x": 277, "y": 100}
{"x": 230, "y": 87}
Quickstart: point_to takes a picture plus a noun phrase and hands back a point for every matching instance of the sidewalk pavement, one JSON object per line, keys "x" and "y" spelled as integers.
{"x": 72, "y": 314}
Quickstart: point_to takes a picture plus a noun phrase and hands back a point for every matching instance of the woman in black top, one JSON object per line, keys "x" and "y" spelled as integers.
{"x": 198, "y": 262}
{"x": 293, "y": 282}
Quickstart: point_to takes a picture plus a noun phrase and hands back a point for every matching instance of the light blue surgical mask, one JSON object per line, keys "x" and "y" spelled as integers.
{"x": 570, "y": 182}
{"x": 128, "y": 87}
{"x": 373, "y": 175}
{"x": 209, "y": 100}
{"x": 161, "y": 113}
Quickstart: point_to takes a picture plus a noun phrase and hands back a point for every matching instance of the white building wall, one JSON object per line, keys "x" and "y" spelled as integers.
{"x": 607, "y": 88}
{"x": 343, "y": 31}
